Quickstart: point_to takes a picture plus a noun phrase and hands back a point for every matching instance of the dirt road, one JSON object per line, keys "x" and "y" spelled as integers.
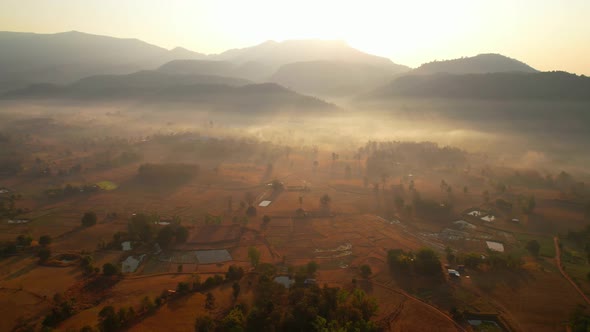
{"x": 558, "y": 262}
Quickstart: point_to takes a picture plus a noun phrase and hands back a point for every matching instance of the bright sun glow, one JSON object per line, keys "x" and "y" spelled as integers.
{"x": 379, "y": 27}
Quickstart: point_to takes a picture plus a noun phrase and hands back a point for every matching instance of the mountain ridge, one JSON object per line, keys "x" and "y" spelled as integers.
{"x": 478, "y": 64}
{"x": 499, "y": 86}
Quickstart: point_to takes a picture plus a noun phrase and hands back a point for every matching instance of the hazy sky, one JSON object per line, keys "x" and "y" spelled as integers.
{"x": 547, "y": 34}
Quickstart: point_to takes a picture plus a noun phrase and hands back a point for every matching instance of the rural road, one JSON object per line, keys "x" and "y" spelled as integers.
{"x": 558, "y": 262}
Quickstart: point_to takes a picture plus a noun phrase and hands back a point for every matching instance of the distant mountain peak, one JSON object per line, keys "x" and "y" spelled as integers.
{"x": 478, "y": 64}
{"x": 277, "y": 54}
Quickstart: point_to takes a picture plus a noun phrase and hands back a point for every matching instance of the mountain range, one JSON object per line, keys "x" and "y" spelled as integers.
{"x": 79, "y": 65}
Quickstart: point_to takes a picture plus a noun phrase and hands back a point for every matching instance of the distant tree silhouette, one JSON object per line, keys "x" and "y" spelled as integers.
{"x": 366, "y": 271}
{"x": 533, "y": 247}
{"x": 89, "y": 219}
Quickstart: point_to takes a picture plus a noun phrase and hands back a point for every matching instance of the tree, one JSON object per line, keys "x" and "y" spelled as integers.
{"x": 366, "y": 271}
{"x": 450, "y": 256}
{"x": 533, "y": 247}
{"x": 24, "y": 240}
{"x": 109, "y": 269}
{"x": 181, "y": 234}
{"x": 265, "y": 220}
{"x": 254, "y": 256}
{"x": 312, "y": 267}
{"x": 165, "y": 236}
{"x": 233, "y": 321}
{"x": 204, "y": 324}
{"x": 141, "y": 226}
{"x": 209, "y": 301}
{"x": 486, "y": 196}
{"x": 234, "y": 273}
{"x": 325, "y": 201}
{"x": 236, "y": 289}
{"x": 399, "y": 202}
{"x": 249, "y": 197}
{"x": 251, "y": 211}
{"x": 183, "y": 287}
{"x": 427, "y": 262}
{"x": 108, "y": 319}
{"x": 277, "y": 185}
{"x": 44, "y": 254}
{"x": 529, "y": 205}
{"x": 147, "y": 305}
{"x": 45, "y": 240}
{"x": 89, "y": 219}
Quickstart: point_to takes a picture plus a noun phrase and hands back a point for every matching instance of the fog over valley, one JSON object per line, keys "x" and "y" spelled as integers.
{"x": 305, "y": 183}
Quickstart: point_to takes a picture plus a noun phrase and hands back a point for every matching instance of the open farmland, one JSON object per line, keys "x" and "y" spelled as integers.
{"x": 327, "y": 221}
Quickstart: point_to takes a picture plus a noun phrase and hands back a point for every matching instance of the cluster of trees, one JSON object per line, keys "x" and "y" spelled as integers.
{"x": 10, "y": 166}
{"x": 425, "y": 262}
{"x": 494, "y": 260}
{"x": 534, "y": 247}
{"x": 61, "y": 310}
{"x": 428, "y": 208}
{"x": 142, "y": 227}
{"x": 213, "y": 148}
{"x": 23, "y": 242}
{"x": 300, "y": 308}
{"x": 211, "y": 219}
{"x": 106, "y": 161}
{"x": 526, "y": 204}
{"x": 111, "y": 319}
{"x": 166, "y": 174}
{"x": 72, "y": 190}
{"x": 8, "y": 206}
{"x": 12, "y": 154}
{"x": 87, "y": 264}
{"x": 582, "y": 239}
{"x": 76, "y": 169}
{"x": 393, "y": 158}
{"x": 579, "y": 320}
{"x": 171, "y": 234}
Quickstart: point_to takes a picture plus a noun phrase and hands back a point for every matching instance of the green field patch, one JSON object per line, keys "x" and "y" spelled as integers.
{"x": 546, "y": 242}
{"x": 107, "y": 185}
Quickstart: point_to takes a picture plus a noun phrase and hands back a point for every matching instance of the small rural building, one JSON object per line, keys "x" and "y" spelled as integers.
{"x": 462, "y": 224}
{"x": 126, "y": 246}
{"x": 453, "y": 273}
{"x": 488, "y": 218}
{"x": 286, "y": 281}
{"x": 475, "y": 213}
{"x": 157, "y": 249}
{"x": 264, "y": 203}
{"x": 310, "y": 281}
{"x": 18, "y": 221}
{"x": 495, "y": 246}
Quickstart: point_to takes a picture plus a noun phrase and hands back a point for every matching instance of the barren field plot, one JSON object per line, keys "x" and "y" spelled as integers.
{"x": 212, "y": 234}
{"x": 19, "y": 304}
{"x": 537, "y": 300}
{"x": 153, "y": 265}
{"x": 33, "y": 278}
